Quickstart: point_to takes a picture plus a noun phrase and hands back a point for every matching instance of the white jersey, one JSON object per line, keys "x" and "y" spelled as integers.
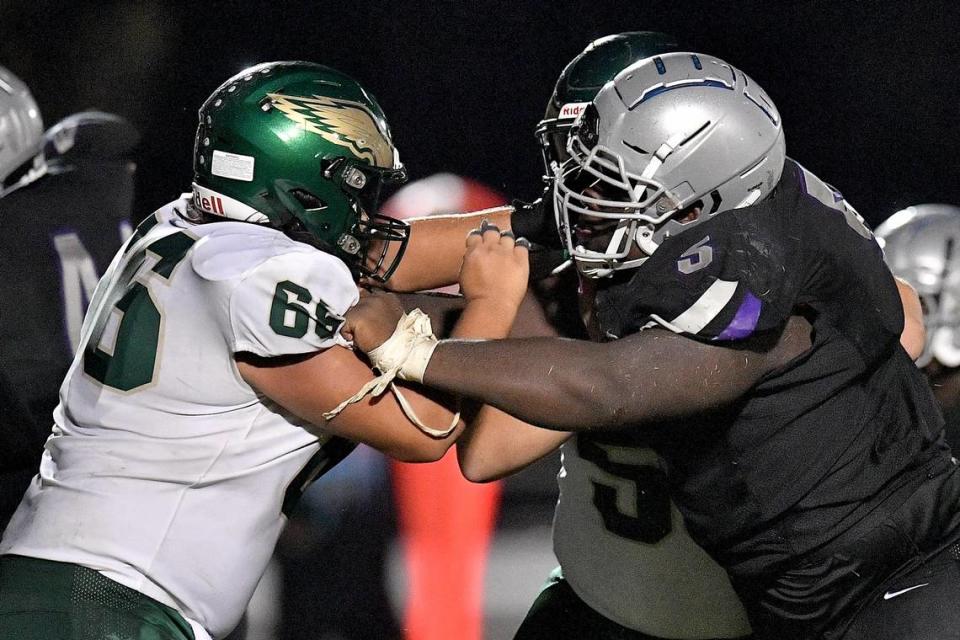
{"x": 625, "y": 552}
{"x": 166, "y": 472}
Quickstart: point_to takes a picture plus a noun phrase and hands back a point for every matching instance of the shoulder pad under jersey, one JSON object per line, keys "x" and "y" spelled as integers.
{"x": 747, "y": 270}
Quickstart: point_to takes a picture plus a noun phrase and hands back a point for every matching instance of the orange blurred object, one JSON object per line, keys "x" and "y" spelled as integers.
{"x": 446, "y": 522}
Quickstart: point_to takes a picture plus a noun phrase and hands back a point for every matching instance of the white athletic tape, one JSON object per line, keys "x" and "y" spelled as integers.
{"x": 405, "y": 354}
{"x": 408, "y": 350}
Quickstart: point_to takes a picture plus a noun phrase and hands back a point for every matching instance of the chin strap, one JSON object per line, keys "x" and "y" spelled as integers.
{"x": 405, "y": 354}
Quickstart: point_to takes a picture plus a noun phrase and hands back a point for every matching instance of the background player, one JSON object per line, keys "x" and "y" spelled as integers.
{"x": 65, "y": 200}
{"x": 197, "y": 408}
{"x": 920, "y": 244}
{"x": 783, "y": 322}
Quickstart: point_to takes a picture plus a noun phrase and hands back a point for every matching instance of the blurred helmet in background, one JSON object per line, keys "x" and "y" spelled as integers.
{"x": 921, "y": 245}
{"x": 21, "y": 135}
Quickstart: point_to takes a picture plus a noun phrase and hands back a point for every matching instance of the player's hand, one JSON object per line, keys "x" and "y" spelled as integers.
{"x": 495, "y": 267}
{"x": 372, "y": 320}
{"x": 536, "y": 220}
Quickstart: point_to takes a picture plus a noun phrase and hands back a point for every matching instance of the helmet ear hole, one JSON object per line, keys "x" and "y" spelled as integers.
{"x": 690, "y": 213}
{"x": 309, "y": 201}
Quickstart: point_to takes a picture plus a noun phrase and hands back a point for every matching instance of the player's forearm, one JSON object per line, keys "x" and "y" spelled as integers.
{"x": 444, "y": 309}
{"x": 550, "y": 382}
{"x": 573, "y": 385}
{"x": 435, "y": 249}
{"x": 496, "y": 444}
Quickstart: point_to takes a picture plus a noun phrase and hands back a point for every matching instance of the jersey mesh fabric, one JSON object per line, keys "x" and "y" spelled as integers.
{"x": 43, "y": 600}
{"x": 630, "y": 558}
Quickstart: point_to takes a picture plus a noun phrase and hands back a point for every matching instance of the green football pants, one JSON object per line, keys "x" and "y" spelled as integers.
{"x": 559, "y": 614}
{"x": 44, "y": 600}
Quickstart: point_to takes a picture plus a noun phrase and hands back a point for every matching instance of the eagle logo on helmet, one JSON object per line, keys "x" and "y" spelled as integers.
{"x": 342, "y": 122}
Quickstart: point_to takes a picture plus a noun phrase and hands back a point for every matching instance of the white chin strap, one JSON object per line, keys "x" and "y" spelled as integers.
{"x": 622, "y": 236}
{"x": 594, "y": 269}
{"x": 751, "y": 199}
{"x": 644, "y": 239}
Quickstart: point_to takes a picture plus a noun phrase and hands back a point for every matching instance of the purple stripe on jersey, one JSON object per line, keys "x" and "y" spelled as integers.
{"x": 745, "y": 320}
{"x": 803, "y": 181}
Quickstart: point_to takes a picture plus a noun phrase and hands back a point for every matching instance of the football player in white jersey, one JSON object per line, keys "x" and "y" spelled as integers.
{"x": 204, "y": 396}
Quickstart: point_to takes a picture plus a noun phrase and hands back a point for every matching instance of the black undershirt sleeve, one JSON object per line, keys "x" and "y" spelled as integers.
{"x": 574, "y": 385}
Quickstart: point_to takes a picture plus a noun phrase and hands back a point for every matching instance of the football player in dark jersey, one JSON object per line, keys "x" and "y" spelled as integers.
{"x": 921, "y": 244}
{"x": 614, "y": 583}
{"x": 65, "y": 199}
{"x": 748, "y": 330}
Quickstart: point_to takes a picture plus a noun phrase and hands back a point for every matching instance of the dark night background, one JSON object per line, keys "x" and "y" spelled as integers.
{"x": 868, "y": 90}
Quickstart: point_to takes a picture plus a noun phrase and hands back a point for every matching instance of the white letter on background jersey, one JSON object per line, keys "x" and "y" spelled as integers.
{"x": 79, "y": 276}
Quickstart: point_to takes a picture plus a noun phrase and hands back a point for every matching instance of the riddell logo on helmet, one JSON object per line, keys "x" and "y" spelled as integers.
{"x": 210, "y": 204}
{"x": 572, "y": 110}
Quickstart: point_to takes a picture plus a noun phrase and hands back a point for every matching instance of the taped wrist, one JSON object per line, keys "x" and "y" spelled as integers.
{"x": 407, "y": 352}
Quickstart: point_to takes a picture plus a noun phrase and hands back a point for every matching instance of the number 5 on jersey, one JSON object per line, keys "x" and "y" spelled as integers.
{"x": 651, "y": 520}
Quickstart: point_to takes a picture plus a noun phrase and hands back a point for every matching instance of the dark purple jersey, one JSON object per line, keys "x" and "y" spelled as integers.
{"x": 822, "y": 452}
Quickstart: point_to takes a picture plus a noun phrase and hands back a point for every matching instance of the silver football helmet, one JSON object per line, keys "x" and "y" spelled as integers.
{"x": 667, "y": 133}
{"x": 921, "y": 244}
{"x": 21, "y": 135}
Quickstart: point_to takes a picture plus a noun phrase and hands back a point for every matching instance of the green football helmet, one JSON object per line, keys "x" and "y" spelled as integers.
{"x": 584, "y": 76}
{"x": 305, "y": 149}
